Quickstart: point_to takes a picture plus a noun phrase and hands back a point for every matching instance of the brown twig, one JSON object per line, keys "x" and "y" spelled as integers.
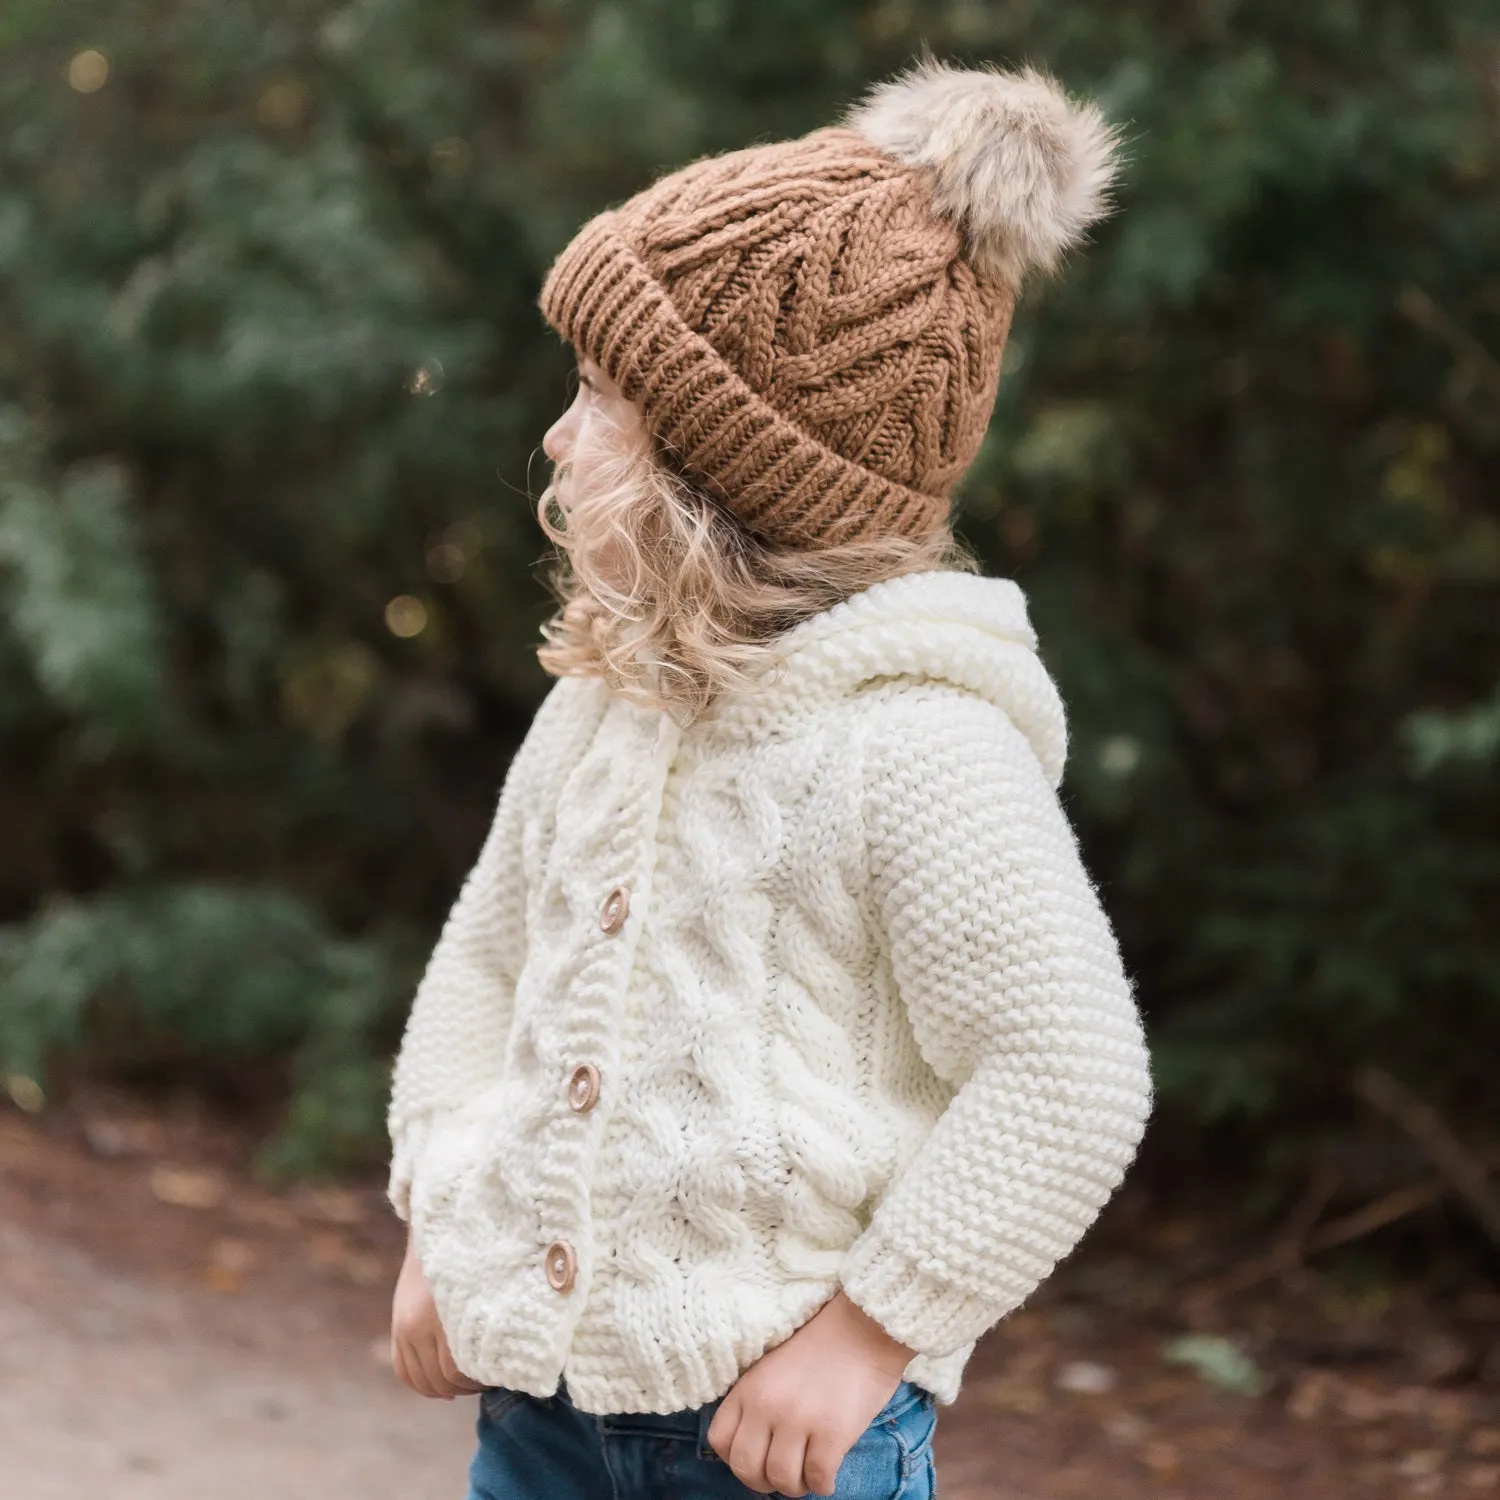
{"x": 1369, "y": 1217}
{"x": 1286, "y": 1250}
{"x": 1464, "y": 1172}
{"x": 1418, "y": 307}
{"x": 1376, "y": 1215}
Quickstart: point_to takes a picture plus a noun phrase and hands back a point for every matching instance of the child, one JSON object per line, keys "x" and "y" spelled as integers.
{"x": 777, "y": 1045}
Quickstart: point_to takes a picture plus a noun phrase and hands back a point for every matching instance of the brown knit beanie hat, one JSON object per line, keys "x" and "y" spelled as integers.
{"x": 813, "y": 328}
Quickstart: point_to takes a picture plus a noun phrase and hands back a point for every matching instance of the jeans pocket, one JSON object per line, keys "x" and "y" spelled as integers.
{"x": 903, "y": 1429}
{"x": 496, "y": 1400}
{"x": 913, "y": 1425}
{"x": 906, "y": 1394}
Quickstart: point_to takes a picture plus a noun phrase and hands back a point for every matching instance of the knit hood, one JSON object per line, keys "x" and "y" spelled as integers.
{"x": 971, "y": 632}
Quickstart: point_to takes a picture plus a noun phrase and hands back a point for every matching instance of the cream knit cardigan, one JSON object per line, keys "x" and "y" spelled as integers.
{"x": 865, "y": 1024}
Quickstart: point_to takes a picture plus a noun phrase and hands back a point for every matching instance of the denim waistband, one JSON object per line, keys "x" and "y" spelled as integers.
{"x": 695, "y": 1422}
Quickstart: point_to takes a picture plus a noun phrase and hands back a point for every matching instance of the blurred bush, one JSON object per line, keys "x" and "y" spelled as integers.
{"x": 271, "y": 384}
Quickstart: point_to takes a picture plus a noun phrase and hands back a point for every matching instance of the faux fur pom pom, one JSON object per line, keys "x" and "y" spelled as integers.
{"x": 1023, "y": 169}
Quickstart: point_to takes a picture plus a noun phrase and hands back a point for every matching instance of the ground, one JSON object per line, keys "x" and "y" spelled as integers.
{"x": 171, "y": 1329}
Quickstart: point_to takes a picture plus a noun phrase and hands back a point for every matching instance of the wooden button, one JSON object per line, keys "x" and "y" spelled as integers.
{"x": 562, "y": 1265}
{"x": 615, "y": 909}
{"x": 583, "y": 1087}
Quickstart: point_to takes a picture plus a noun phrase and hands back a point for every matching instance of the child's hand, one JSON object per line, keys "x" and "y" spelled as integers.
{"x": 788, "y": 1421}
{"x": 419, "y": 1347}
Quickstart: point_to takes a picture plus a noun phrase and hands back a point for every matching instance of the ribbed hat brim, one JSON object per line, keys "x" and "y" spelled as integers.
{"x": 717, "y": 431}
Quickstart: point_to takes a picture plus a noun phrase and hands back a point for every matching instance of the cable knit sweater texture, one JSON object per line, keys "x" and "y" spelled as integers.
{"x": 865, "y": 1024}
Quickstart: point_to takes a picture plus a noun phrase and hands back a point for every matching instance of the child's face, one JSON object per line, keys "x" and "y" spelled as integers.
{"x": 598, "y": 403}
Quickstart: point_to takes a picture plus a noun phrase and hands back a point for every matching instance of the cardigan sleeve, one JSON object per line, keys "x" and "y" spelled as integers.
{"x": 454, "y": 1043}
{"x": 1012, "y": 981}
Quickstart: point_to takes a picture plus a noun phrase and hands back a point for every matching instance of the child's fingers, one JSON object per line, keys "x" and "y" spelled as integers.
{"x": 784, "y": 1460}
{"x": 821, "y": 1463}
{"x": 721, "y": 1430}
{"x": 432, "y": 1363}
{"x": 457, "y": 1381}
{"x": 398, "y": 1364}
{"x": 421, "y": 1361}
{"x": 747, "y": 1454}
{"x": 412, "y": 1371}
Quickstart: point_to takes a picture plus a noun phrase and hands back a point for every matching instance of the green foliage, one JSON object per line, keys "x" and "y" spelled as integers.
{"x": 157, "y": 974}
{"x": 269, "y": 358}
{"x": 81, "y": 600}
{"x": 1470, "y": 737}
{"x": 1220, "y": 1361}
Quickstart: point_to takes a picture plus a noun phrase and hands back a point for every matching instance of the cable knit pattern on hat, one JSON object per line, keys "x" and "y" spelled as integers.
{"x": 814, "y": 328}
{"x": 863, "y": 1024}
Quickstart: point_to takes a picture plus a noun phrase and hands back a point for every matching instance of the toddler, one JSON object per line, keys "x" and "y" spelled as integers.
{"x": 777, "y": 1045}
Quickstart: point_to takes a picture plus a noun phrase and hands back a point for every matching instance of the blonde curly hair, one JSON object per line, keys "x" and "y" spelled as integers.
{"x": 673, "y": 601}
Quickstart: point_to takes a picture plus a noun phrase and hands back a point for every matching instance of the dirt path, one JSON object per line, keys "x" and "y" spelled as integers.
{"x": 110, "y": 1386}
{"x": 169, "y": 1330}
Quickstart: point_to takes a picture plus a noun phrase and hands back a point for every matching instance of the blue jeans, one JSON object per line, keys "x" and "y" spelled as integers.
{"x": 544, "y": 1448}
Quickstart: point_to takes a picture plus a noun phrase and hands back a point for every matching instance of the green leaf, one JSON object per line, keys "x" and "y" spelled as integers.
{"x": 1220, "y": 1362}
{"x": 77, "y": 592}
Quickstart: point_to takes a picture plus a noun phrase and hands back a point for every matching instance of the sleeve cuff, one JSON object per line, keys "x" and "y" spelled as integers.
{"x": 920, "y": 1309}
